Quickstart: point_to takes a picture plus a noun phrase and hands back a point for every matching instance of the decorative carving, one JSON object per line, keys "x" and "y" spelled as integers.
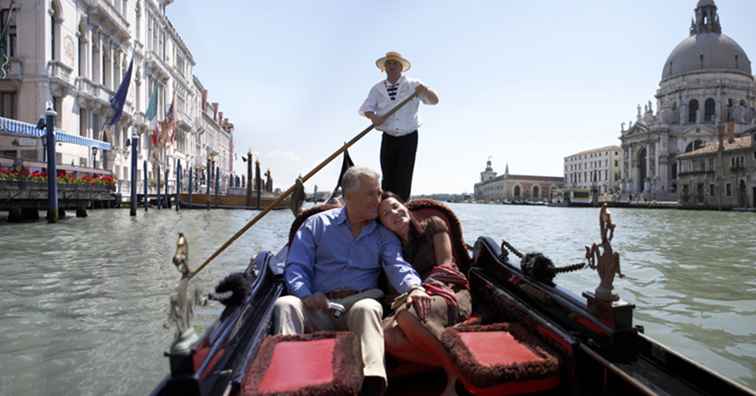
{"x": 604, "y": 259}
{"x": 68, "y": 50}
{"x": 183, "y": 302}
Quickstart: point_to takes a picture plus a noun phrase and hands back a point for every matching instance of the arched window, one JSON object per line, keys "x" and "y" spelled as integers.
{"x": 709, "y": 110}
{"x": 517, "y": 192}
{"x": 693, "y": 111}
{"x": 536, "y": 192}
{"x": 694, "y": 145}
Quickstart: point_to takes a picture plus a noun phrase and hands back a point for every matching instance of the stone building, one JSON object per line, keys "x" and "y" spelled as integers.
{"x": 720, "y": 177}
{"x": 597, "y": 170}
{"x": 514, "y": 188}
{"x": 74, "y": 53}
{"x": 707, "y": 78}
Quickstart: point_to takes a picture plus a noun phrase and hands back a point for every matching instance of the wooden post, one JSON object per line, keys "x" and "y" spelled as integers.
{"x": 146, "y": 188}
{"x": 249, "y": 179}
{"x": 133, "y": 186}
{"x": 167, "y": 195}
{"x": 208, "y": 177}
{"x": 258, "y": 182}
{"x": 217, "y": 183}
{"x": 52, "y": 171}
{"x": 159, "y": 198}
{"x": 191, "y": 185}
{"x": 178, "y": 184}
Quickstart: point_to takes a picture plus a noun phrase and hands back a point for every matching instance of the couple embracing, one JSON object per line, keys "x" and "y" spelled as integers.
{"x": 339, "y": 254}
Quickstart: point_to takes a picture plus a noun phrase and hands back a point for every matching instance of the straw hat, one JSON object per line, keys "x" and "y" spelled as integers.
{"x": 392, "y": 55}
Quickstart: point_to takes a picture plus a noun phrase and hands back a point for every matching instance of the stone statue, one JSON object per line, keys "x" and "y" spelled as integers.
{"x": 183, "y": 302}
{"x": 650, "y": 107}
{"x": 623, "y": 127}
{"x": 602, "y": 258}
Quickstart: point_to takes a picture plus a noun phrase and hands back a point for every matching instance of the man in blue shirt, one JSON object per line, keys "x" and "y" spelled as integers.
{"x": 340, "y": 252}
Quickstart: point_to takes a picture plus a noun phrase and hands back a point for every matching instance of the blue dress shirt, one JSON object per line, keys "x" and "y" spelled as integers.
{"x": 324, "y": 256}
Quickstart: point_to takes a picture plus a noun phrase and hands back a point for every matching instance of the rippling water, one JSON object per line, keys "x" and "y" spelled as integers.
{"x": 83, "y": 302}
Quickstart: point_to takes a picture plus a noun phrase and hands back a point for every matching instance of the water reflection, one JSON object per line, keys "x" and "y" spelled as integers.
{"x": 83, "y": 302}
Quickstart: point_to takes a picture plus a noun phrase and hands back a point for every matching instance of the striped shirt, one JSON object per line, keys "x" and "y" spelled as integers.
{"x": 380, "y": 100}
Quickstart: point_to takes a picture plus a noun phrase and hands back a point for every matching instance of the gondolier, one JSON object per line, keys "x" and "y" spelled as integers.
{"x": 399, "y": 141}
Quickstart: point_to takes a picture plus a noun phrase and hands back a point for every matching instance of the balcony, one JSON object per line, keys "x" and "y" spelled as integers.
{"x": 696, "y": 173}
{"x": 184, "y": 120}
{"x": 14, "y": 70}
{"x": 60, "y": 77}
{"x": 104, "y": 11}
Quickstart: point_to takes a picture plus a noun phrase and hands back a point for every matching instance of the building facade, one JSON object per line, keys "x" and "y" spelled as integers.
{"x": 514, "y": 188}
{"x": 720, "y": 177}
{"x": 707, "y": 79}
{"x": 74, "y": 54}
{"x": 597, "y": 170}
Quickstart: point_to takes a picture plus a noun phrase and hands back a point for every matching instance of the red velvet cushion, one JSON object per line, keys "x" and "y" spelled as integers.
{"x": 501, "y": 359}
{"x": 325, "y": 363}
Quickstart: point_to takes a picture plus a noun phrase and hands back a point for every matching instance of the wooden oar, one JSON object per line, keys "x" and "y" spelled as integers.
{"x": 288, "y": 192}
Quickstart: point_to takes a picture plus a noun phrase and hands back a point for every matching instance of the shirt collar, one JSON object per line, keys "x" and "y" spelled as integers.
{"x": 342, "y": 219}
{"x": 400, "y": 81}
{"x": 342, "y": 216}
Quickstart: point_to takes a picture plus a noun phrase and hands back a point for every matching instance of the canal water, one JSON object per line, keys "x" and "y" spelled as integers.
{"x": 83, "y": 302}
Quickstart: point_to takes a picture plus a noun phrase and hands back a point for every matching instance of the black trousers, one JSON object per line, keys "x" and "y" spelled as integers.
{"x": 398, "y": 163}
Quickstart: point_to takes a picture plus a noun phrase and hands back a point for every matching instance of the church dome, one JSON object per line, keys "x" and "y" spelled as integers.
{"x": 707, "y": 49}
{"x": 707, "y": 52}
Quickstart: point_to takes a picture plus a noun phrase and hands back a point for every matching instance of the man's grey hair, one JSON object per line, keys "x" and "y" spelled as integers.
{"x": 351, "y": 179}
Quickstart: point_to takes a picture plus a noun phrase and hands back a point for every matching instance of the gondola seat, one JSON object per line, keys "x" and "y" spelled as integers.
{"x": 501, "y": 359}
{"x": 321, "y": 363}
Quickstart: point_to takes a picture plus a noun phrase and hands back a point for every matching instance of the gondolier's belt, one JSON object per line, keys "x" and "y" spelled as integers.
{"x": 340, "y": 293}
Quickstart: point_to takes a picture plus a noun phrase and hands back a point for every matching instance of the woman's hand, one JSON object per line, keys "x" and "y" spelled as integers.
{"x": 421, "y": 301}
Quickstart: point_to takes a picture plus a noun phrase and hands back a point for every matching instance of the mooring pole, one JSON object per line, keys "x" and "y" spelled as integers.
{"x": 258, "y": 182}
{"x": 191, "y": 185}
{"x": 167, "y": 194}
{"x": 146, "y": 191}
{"x": 52, "y": 171}
{"x": 249, "y": 179}
{"x": 178, "y": 184}
{"x": 159, "y": 198}
{"x": 133, "y": 187}
{"x": 217, "y": 183}
{"x": 208, "y": 177}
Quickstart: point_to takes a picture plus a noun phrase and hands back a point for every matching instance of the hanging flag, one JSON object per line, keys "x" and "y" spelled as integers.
{"x": 346, "y": 164}
{"x": 151, "y": 116}
{"x": 168, "y": 126}
{"x": 119, "y": 99}
{"x": 5, "y": 43}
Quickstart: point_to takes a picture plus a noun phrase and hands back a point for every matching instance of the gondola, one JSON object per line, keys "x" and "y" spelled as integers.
{"x": 577, "y": 344}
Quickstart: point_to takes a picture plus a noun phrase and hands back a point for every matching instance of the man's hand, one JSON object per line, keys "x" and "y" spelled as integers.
{"x": 316, "y": 302}
{"x": 376, "y": 119}
{"x": 421, "y": 90}
{"x": 421, "y": 301}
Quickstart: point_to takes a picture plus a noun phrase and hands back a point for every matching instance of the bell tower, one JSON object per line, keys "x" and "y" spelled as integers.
{"x": 707, "y": 18}
{"x": 489, "y": 173}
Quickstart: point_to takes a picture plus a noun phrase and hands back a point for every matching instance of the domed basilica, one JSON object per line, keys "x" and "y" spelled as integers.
{"x": 706, "y": 80}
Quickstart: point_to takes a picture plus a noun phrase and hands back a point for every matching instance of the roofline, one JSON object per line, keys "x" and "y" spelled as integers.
{"x": 594, "y": 150}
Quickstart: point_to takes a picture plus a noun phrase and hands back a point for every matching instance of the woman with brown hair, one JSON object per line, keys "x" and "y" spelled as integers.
{"x": 413, "y": 332}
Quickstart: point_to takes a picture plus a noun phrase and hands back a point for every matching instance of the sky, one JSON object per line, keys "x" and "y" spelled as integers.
{"x": 525, "y": 83}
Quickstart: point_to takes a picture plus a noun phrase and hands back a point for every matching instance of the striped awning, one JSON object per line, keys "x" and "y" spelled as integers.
{"x": 9, "y": 126}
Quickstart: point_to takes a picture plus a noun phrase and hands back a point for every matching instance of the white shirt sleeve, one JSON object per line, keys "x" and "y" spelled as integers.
{"x": 413, "y": 85}
{"x": 371, "y": 102}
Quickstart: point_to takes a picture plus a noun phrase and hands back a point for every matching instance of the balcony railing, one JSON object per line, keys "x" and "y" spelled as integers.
{"x": 696, "y": 172}
{"x": 60, "y": 72}
{"x": 14, "y": 70}
{"x": 106, "y": 10}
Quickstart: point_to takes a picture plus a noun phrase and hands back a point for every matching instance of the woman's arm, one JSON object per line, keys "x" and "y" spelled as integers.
{"x": 443, "y": 248}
